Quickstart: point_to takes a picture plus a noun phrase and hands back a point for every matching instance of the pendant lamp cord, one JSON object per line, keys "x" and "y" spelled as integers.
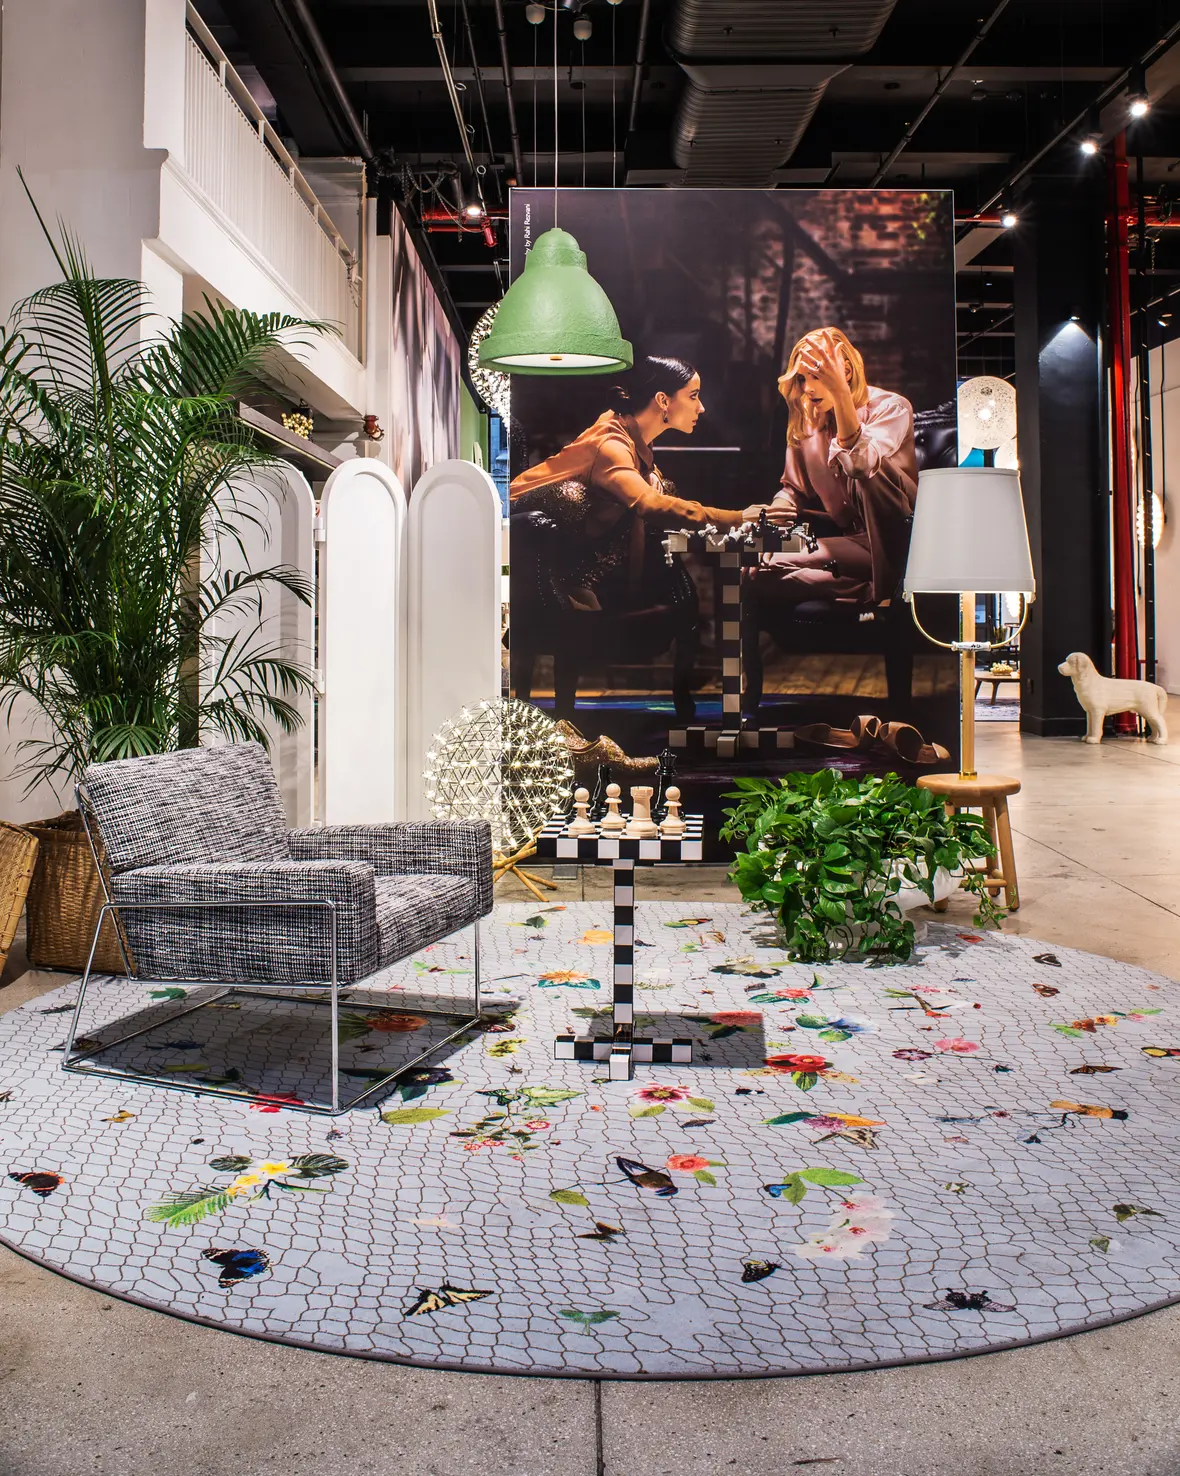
{"x": 535, "y": 29}
{"x": 583, "y": 115}
{"x": 556, "y": 150}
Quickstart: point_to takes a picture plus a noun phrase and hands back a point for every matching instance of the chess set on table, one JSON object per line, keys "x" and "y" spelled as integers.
{"x": 623, "y": 843}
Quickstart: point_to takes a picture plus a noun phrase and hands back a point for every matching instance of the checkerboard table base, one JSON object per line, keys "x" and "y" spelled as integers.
{"x": 622, "y": 1048}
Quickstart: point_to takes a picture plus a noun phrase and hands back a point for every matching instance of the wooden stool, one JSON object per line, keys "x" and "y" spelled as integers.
{"x": 989, "y": 793}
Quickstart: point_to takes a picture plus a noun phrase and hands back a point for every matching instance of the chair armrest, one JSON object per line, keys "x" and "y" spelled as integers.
{"x": 407, "y": 848}
{"x": 347, "y": 884}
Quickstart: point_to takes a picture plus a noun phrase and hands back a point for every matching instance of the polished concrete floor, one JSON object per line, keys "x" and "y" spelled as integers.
{"x": 90, "y": 1385}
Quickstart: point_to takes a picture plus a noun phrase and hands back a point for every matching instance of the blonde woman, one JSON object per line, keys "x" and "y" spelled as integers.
{"x": 851, "y": 468}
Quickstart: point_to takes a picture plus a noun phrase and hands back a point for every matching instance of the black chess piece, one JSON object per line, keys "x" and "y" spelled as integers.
{"x": 665, "y": 775}
{"x": 598, "y": 799}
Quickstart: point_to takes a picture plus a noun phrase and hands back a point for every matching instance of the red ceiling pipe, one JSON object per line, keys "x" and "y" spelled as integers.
{"x": 438, "y": 220}
{"x": 1118, "y": 286}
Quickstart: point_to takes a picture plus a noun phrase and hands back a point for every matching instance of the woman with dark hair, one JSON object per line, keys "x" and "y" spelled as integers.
{"x": 604, "y": 486}
{"x": 851, "y": 464}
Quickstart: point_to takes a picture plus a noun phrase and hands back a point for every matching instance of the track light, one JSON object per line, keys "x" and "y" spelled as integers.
{"x": 1138, "y": 102}
{"x": 1008, "y": 219}
{"x": 474, "y": 211}
{"x": 1089, "y": 145}
{"x": 1091, "y": 139}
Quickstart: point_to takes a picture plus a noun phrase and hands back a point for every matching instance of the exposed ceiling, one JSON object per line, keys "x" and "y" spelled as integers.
{"x": 783, "y": 93}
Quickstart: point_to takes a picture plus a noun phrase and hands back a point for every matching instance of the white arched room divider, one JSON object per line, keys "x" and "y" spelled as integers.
{"x": 362, "y": 645}
{"x": 276, "y": 525}
{"x": 453, "y": 626}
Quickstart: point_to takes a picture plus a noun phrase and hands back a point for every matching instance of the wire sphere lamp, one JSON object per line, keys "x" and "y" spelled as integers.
{"x": 505, "y": 762}
{"x": 493, "y": 385}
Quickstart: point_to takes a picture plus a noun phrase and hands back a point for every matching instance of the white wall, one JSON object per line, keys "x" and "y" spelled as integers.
{"x": 1165, "y": 439}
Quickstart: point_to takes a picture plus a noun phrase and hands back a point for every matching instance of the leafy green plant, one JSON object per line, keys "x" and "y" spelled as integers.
{"x": 828, "y": 855}
{"x": 124, "y": 476}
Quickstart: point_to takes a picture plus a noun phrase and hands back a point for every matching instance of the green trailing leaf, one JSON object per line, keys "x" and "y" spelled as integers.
{"x": 834, "y": 1036}
{"x": 188, "y": 1207}
{"x": 168, "y": 994}
{"x": 828, "y": 1178}
{"x": 1070, "y": 1030}
{"x": 637, "y": 1109}
{"x": 784, "y": 1118}
{"x": 795, "y": 1190}
{"x": 352, "y": 1027}
{"x": 230, "y": 1163}
{"x": 1100, "y": 1242}
{"x": 804, "y": 1080}
{"x": 569, "y": 1196}
{"x": 701, "y": 1104}
{"x": 1124, "y": 1212}
{"x": 411, "y": 1116}
{"x": 705, "y": 1177}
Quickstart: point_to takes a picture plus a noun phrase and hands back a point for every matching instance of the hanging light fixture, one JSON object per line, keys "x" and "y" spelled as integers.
{"x": 555, "y": 318}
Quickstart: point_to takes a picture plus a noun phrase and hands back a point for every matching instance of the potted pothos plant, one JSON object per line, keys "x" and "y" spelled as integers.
{"x": 828, "y": 857}
{"x": 122, "y": 460}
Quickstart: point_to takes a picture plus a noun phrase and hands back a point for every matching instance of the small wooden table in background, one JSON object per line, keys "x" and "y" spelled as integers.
{"x": 989, "y": 793}
{"x": 982, "y": 677}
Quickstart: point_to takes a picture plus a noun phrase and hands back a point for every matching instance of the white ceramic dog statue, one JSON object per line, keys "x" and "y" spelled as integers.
{"x": 1101, "y": 696}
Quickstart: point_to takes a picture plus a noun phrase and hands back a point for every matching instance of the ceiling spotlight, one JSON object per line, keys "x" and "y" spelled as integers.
{"x": 1091, "y": 138}
{"x": 534, "y": 13}
{"x": 474, "y": 211}
{"x": 1089, "y": 145}
{"x": 583, "y": 28}
{"x": 1138, "y": 102}
{"x": 1008, "y": 216}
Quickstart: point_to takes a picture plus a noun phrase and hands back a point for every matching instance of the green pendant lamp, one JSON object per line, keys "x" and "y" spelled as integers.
{"x": 555, "y": 318}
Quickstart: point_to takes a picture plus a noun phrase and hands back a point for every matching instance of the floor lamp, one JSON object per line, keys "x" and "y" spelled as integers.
{"x": 969, "y": 535}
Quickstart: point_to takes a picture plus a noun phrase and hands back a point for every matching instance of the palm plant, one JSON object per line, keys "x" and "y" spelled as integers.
{"x": 124, "y": 479}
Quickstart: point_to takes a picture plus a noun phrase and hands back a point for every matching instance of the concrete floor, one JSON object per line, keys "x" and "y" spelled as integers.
{"x": 93, "y": 1385}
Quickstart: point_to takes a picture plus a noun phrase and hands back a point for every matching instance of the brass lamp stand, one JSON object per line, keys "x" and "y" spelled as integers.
{"x": 509, "y": 865}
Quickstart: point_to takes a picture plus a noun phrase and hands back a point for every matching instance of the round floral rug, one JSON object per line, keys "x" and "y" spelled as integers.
{"x": 862, "y": 1166}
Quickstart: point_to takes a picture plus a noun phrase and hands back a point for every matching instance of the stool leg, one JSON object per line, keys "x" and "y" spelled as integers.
{"x": 993, "y": 862}
{"x": 1007, "y": 854}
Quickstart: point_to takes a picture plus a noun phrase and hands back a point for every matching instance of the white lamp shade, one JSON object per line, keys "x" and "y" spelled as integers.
{"x": 987, "y": 412}
{"x": 969, "y": 534}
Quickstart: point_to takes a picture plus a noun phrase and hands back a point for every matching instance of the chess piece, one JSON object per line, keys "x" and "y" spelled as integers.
{"x": 598, "y": 803}
{"x": 665, "y": 775}
{"x": 581, "y": 824}
{"x": 673, "y": 826}
{"x": 612, "y": 821}
{"x": 641, "y": 826}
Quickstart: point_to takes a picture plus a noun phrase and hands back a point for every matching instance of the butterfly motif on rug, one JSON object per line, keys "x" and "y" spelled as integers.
{"x": 446, "y": 1296}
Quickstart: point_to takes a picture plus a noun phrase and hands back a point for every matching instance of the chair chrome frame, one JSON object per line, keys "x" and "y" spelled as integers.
{"x": 74, "y": 1063}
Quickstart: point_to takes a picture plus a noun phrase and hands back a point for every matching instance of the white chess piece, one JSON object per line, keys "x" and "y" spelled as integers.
{"x": 641, "y": 826}
{"x": 672, "y": 826}
{"x": 612, "y": 820}
{"x": 581, "y": 824}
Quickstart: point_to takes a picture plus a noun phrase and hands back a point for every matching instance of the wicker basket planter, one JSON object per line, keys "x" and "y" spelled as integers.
{"x": 64, "y": 900}
{"x": 18, "y": 855}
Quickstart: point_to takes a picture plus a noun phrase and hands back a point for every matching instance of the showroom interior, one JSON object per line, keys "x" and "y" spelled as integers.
{"x": 576, "y": 578}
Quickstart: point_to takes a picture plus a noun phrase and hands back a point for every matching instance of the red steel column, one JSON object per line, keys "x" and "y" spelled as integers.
{"x": 1118, "y": 284}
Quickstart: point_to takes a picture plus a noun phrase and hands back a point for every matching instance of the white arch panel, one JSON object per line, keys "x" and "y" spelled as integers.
{"x": 362, "y": 645}
{"x": 453, "y": 629}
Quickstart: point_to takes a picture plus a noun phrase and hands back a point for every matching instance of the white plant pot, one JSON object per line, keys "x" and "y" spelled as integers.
{"x": 944, "y": 886}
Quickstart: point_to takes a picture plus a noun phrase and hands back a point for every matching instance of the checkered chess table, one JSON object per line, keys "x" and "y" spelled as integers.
{"x": 731, "y": 553}
{"x": 622, "y": 1048}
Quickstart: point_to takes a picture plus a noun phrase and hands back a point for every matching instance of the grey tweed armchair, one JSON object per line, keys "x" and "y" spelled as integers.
{"x": 207, "y": 884}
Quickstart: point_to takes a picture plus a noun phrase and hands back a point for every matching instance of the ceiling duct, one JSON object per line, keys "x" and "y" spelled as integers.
{"x": 756, "y": 71}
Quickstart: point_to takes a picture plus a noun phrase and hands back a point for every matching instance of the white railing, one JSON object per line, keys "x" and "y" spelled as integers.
{"x": 238, "y": 161}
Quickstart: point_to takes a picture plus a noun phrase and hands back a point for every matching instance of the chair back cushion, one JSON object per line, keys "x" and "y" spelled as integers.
{"x": 200, "y": 805}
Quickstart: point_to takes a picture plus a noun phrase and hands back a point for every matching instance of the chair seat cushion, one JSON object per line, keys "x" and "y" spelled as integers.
{"x": 414, "y": 911}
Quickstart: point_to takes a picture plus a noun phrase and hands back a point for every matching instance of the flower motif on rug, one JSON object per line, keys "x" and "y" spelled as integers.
{"x": 502, "y": 1129}
{"x": 727, "y": 1022}
{"x": 253, "y": 1181}
{"x": 567, "y": 979}
{"x": 803, "y": 1070}
{"x": 651, "y": 1100}
{"x": 747, "y": 967}
{"x": 856, "y": 1225}
{"x": 956, "y": 1045}
{"x": 694, "y": 1164}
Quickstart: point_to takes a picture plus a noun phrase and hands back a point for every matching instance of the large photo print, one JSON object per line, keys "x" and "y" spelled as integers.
{"x": 794, "y": 371}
